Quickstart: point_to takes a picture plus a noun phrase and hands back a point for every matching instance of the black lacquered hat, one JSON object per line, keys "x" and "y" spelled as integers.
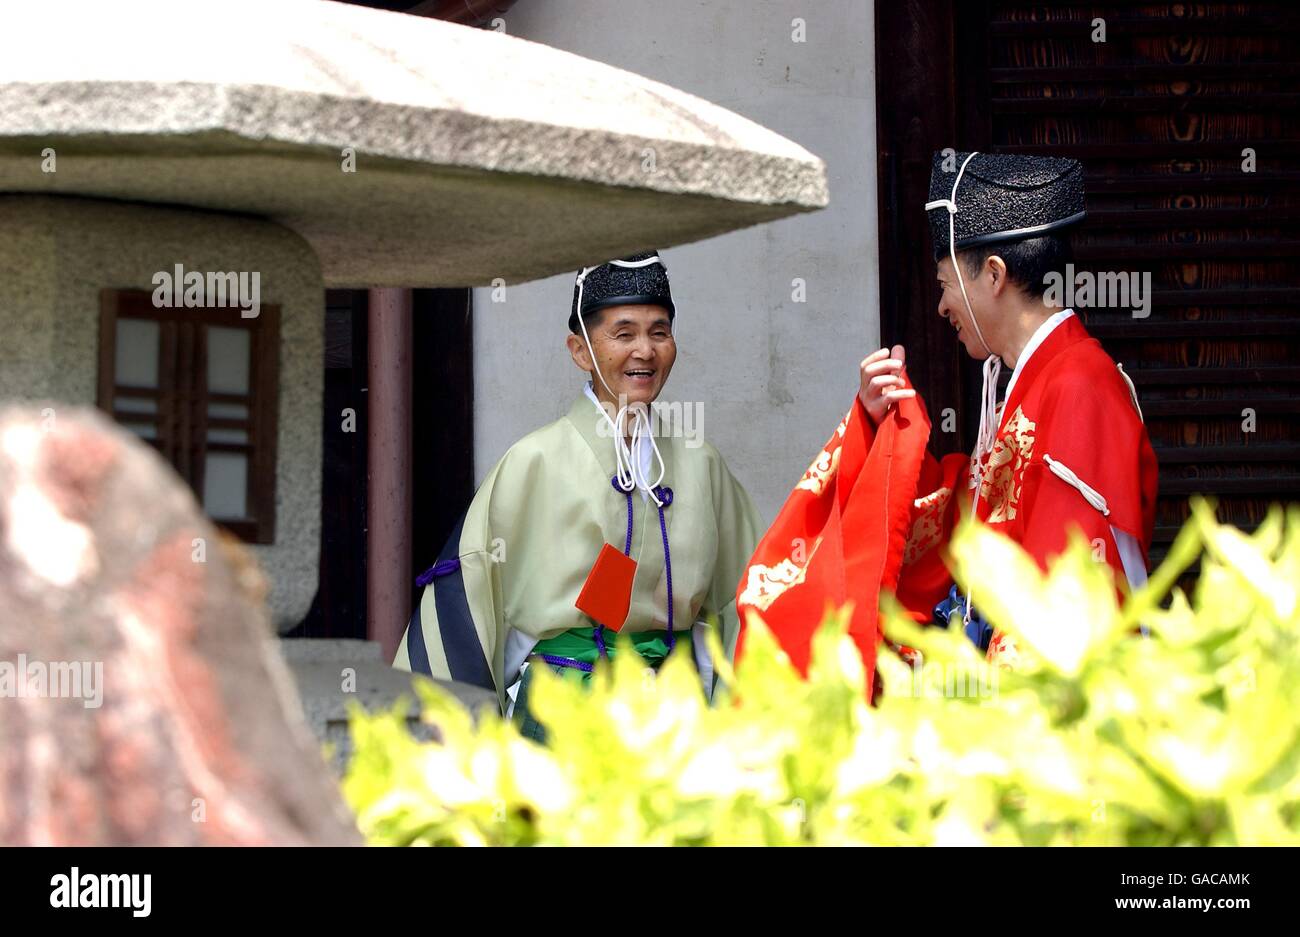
{"x": 639, "y": 280}
{"x": 1001, "y": 197}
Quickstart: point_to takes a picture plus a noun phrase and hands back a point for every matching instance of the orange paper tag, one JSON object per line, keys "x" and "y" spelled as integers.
{"x": 606, "y": 596}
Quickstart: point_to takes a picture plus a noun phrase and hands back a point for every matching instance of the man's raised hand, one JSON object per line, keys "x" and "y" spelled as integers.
{"x": 881, "y": 384}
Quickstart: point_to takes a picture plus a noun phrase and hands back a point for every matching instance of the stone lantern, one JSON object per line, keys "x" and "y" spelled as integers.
{"x": 179, "y": 184}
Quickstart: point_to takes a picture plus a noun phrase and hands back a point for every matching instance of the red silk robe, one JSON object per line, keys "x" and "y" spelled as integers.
{"x": 840, "y": 536}
{"x": 880, "y": 509}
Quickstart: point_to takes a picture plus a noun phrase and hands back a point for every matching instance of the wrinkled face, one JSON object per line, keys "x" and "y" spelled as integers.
{"x": 635, "y": 350}
{"x": 953, "y": 308}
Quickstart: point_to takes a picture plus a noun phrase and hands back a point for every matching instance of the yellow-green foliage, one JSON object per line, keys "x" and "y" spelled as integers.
{"x": 1100, "y": 736}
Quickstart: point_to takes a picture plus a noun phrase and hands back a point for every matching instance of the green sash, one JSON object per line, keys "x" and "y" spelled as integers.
{"x": 579, "y": 644}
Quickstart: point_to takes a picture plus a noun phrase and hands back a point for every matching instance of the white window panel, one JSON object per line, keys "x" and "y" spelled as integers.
{"x": 232, "y": 411}
{"x": 136, "y": 353}
{"x": 229, "y": 360}
{"x": 143, "y": 405}
{"x": 225, "y": 485}
{"x": 143, "y": 430}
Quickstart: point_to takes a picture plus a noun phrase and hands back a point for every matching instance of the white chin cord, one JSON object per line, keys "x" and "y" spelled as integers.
{"x": 627, "y": 461}
{"x": 992, "y": 364}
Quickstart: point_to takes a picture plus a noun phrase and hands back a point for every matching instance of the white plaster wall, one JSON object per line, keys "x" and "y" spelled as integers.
{"x": 774, "y": 376}
{"x": 57, "y": 253}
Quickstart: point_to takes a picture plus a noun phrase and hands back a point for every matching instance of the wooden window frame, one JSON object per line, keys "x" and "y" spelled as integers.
{"x": 182, "y": 421}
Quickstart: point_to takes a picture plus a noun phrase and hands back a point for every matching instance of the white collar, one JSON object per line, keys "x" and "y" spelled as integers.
{"x": 1039, "y": 336}
{"x": 644, "y": 454}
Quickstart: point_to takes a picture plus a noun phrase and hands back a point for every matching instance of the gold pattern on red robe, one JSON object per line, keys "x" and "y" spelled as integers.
{"x": 1004, "y": 473}
{"x": 927, "y": 526}
{"x": 821, "y": 471}
{"x": 766, "y": 584}
{"x": 826, "y": 464}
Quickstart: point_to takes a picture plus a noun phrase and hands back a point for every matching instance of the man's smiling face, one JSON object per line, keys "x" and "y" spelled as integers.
{"x": 634, "y": 348}
{"x": 953, "y": 308}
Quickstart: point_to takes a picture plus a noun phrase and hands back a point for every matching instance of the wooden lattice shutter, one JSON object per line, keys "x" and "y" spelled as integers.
{"x": 1162, "y": 115}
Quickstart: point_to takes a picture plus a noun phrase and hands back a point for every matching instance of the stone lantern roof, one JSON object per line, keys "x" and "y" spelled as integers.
{"x": 477, "y": 155}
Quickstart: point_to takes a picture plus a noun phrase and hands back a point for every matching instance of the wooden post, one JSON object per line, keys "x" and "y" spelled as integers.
{"x": 388, "y": 515}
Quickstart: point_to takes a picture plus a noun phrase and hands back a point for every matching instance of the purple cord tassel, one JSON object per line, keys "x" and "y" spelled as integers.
{"x": 567, "y": 662}
{"x": 599, "y": 633}
{"x": 441, "y": 568}
{"x": 666, "y": 498}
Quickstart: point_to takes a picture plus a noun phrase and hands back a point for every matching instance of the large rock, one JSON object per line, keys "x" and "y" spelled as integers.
{"x": 166, "y": 714}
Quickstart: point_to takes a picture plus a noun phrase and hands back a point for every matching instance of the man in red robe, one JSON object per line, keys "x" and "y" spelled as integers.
{"x": 1066, "y": 450}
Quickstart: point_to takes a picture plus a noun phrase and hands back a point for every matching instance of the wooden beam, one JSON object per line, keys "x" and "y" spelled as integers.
{"x": 388, "y": 491}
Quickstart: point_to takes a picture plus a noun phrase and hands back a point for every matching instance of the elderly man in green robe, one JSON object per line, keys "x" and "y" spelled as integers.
{"x": 608, "y": 508}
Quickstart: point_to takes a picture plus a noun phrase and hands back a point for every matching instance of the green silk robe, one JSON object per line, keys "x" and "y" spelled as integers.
{"x": 530, "y": 536}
